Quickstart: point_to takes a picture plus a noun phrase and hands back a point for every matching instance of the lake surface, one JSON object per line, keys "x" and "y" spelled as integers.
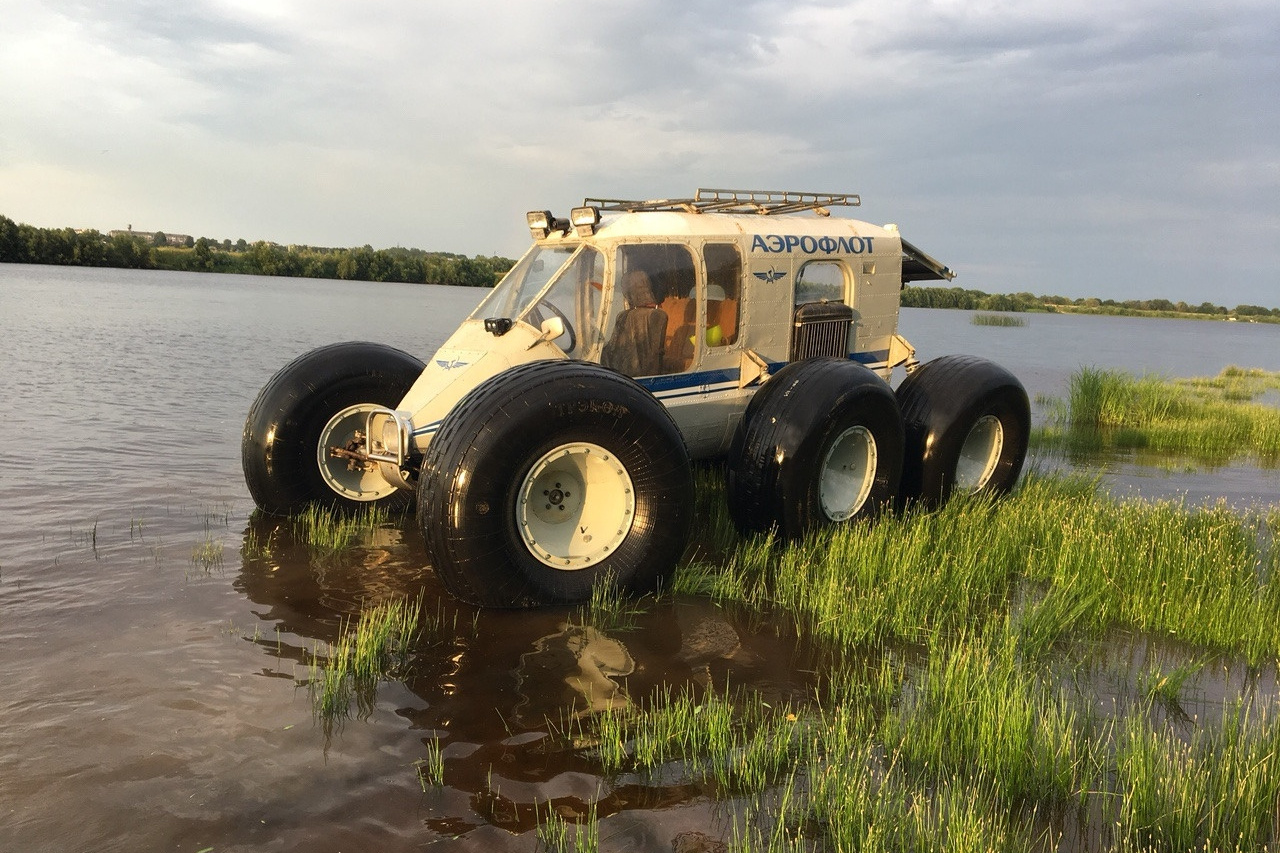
{"x": 154, "y": 678}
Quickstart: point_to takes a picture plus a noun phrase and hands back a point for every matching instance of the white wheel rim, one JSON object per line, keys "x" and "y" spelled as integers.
{"x": 351, "y": 479}
{"x": 848, "y": 472}
{"x": 979, "y": 454}
{"x": 575, "y": 506}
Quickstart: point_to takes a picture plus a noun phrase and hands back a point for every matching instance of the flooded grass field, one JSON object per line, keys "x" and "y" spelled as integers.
{"x": 1090, "y": 665}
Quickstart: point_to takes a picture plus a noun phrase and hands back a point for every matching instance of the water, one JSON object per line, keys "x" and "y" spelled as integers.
{"x": 154, "y": 677}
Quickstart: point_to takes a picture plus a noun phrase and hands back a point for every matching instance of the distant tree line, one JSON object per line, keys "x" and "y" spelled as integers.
{"x": 976, "y": 300}
{"x": 27, "y": 244}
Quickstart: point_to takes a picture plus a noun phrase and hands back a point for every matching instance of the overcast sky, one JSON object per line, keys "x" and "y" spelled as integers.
{"x": 1125, "y": 149}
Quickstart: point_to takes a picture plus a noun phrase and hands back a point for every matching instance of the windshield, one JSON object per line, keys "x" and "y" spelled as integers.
{"x": 575, "y": 295}
{"x": 518, "y": 288}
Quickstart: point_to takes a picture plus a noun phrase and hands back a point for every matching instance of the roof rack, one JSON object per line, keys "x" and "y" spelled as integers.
{"x": 763, "y": 202}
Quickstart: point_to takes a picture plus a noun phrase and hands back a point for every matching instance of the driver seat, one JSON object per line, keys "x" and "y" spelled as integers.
{"x": 640, "y": 334}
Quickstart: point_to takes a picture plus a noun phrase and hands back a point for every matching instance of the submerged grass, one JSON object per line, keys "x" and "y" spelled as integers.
{"x": 207, "y": 554}
{"x": 980, "y": 736}
{"x": 976, "y": 709}
{"x": 997, "y": 320}
{"x": 1210, "y": 420}
{"x": 377, "y": 647}
{"x": 431, "y": 769}
{"x": 557, "y": 834}
{"x": 328, "y": 531}
{"x": 1218, "y": 791}
{"x": 1058, "y": 561}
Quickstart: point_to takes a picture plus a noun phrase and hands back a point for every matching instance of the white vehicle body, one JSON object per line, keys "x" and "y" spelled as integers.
{"x": 548, "y": 442}
{"x": 728, "y": 270}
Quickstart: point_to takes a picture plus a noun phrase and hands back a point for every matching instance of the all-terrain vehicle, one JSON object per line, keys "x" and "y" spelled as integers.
{"x": 549, "y": 439}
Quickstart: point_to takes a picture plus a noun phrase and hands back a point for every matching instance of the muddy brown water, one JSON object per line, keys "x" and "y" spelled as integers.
{"x": 154, "y": 673}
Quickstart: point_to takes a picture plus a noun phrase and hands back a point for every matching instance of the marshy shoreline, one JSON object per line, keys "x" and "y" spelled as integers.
{"x": 1060, "y": 669}
{"x": 183, "y": 674}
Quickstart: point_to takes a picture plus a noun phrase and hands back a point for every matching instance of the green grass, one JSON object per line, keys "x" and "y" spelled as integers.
{"x": 733, "y": 743}
{"x": 975, "y": 708}
{"x": 1209, "y": 420}
{"x": 207, "y": 554}
{"x": 997, "y": 320}
{"x": 557, "y": 834}
{"x": 1166, "y": 687}
{"x": 1218, "y": 791}
{"x": 1060, "y": 560}
{"x": 327, "y": 531}
{"x": 956, "y": 711}
{"x": 254, "y": 546}
{"x": 374, "y": 649}
{"x": 431, "y": 769}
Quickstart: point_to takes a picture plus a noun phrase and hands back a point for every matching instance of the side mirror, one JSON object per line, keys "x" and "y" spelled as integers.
{"x": 552, "y": 328}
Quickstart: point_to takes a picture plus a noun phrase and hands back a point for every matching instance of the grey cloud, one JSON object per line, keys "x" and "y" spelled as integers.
{"x": 1012, "y": 139}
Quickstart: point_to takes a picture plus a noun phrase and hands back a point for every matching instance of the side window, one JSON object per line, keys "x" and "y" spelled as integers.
{"x": 820, "y": 281}
{"x": 724, "y": 287}
{"x": 651, "y": 283}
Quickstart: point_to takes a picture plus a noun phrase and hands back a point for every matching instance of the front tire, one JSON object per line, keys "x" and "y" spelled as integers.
{"x": 316, "y": 402}
{"x": 819, "y": 444}
{"x": 968, "y": 422}
{"x": 550, "y": 478}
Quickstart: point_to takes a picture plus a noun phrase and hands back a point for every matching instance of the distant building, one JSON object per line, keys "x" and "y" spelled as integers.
{"x": 173, "y": 239}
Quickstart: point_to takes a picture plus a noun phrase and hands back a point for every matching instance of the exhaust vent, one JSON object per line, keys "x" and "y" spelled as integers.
{"x": 821, "y": 329}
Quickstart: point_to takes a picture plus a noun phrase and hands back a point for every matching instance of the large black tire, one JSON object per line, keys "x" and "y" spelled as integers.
{"x": 280, "y": 448}
{"x": 605, "y": 462}
{"x": 819, "y": 444}
{"x": 967, "y": 424}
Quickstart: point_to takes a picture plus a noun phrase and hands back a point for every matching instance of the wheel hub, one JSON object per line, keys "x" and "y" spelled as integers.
{"x": 575, "y": 506}
{"x": 847, "y": 474}
{"x": 979, "y": 454}
{"x": 339, "y": 452}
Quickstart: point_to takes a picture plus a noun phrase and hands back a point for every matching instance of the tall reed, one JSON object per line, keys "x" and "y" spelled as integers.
{"x": 1064, "y": 560}
{"x": 952, "y": 715}
{"x": 1211, "y": 420}
{"x": 1220, "y": 790}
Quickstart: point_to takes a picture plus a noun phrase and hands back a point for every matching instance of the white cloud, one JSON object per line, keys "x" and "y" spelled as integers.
{"x": 1005, "y": 136}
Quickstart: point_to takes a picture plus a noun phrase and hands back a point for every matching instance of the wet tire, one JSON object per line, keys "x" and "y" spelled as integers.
{"x": 320, "y": 398}
{"x": 820, "y": 444}
{"x": 549, "y": 478}
{"x": 967, "y": 424}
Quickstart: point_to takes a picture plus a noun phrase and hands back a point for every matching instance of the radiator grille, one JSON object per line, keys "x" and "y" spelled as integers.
{"x": 821, "y": 329}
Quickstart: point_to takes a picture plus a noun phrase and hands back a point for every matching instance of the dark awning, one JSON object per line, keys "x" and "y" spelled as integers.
{"x": 917, "y": 266}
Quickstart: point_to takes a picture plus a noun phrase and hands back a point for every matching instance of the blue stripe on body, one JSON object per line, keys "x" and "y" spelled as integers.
{"x": 679, "y": 385}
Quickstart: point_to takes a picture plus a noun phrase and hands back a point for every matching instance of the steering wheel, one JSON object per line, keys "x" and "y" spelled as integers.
{"x": 568, "y": 327}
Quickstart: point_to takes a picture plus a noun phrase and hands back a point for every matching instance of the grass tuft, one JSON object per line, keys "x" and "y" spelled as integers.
{"x": 1211, "y": 421}
{"x": 431, "y": 769}
{"x": 207, "y": 554}
{"x": 377, "y": 647}
{"x": 557, "y": 834}
{"x": 328, "y": 531}
{"x": 1006, "y": 320}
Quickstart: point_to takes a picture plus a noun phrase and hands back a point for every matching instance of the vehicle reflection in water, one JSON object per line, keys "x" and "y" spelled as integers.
{"x": 506, "y": 692}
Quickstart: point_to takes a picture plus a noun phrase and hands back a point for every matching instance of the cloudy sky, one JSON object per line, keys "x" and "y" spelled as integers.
{"x": 1128, "y": 149}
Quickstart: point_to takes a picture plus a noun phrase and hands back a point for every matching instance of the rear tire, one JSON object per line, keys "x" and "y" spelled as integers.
{"x": 819, "y": 444}
{"x": 968, "y": 421}
{"x": 550, "y": 478}
{"x": 316, "y": 401}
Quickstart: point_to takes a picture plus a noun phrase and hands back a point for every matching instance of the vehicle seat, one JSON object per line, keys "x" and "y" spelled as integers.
{"x": 680, "y": 312}
{"x": 639, "y": 337}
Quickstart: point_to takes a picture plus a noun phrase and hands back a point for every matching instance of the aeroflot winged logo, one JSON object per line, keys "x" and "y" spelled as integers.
{"x": 450, "y": 364}
{"x": 771, "y": 276}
